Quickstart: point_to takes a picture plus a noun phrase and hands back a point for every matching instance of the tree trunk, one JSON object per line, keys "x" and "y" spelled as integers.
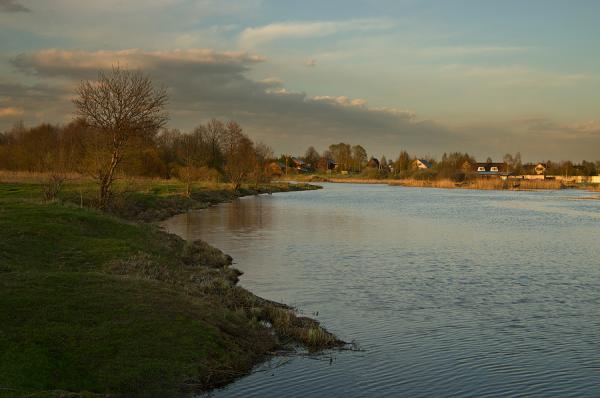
{"x": 107, "y": 179}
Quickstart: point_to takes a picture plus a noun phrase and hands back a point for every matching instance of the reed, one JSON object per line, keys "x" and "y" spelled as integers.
{"x": 300, "y": 329}
{"x": 482, "y": 184}
{"x": 594, "y": 188}
{"x": 357, "y": 180}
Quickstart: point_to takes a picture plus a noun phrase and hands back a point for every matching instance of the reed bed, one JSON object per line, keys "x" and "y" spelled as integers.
{"x": 356, "y": 180}
{"x": 594, "y": 188}
{"x": 483, "y": 184}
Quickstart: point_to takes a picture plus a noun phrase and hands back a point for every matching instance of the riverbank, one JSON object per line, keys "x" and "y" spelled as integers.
{"x": 479, "y": 184}
{"x": 94, "y": 305}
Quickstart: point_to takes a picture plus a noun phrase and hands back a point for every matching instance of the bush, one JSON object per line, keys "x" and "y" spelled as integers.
{"x": 426, "y": 174}
{"x": 373, "y": 173}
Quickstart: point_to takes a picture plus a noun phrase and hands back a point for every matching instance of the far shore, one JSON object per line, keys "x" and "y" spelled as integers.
{"x": 477, "y": 183}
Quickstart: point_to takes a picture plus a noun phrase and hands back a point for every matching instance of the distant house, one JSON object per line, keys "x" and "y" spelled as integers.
{"x": 299, "y": 165}
{"x": 540, "y": 168}
{"x": 489, "y": 169}
{"x": 421, "y": 164}
{"x": 373, "y": 163}
{"x": 274, "y": 169}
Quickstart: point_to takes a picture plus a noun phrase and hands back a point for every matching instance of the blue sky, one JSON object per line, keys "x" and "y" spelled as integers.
{"x": 429, "y": 76}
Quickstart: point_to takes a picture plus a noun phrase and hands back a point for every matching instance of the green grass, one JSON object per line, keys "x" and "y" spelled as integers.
{"x": 150, "y": 200}
{"x": 68, "y": 324}
{"x": 56, "y": 237}
{"x": 94, "y": 305}
{"x": 94, "y": 332}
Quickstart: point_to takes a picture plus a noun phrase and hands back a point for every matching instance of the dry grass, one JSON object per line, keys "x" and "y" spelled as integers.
{"x": 205, "y": 272}
{"x": 425, "y": 183}
{"x": 594, "y": 188}
{"x": 36, "y": 177}
{"x": 350, "y": 180}
{"x": 541, "y": 184}
{"x": 300, "y": 329}
{"x": 483, "y": 184}
{"x": 336, "y": 179}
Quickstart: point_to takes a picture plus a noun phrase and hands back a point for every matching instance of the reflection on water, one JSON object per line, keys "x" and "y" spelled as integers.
{"x": 449, "y": 292}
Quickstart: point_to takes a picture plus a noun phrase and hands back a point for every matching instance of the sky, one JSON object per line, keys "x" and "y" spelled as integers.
{"x": 429, "y": 76}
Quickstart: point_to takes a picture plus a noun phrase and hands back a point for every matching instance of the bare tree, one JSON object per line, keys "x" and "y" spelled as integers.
{"x": 359, "y": 157}
{"x": 117, "y": 106}
{"x": 215, "y": 131}
{"x": 239, "y": 154}
{"x": 263, "y": 155}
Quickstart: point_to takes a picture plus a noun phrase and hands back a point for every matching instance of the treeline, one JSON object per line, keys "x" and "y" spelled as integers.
{"x": 214, "y": 151}
{"x": 346, "y": 158}
{"x": 119, "y": 129}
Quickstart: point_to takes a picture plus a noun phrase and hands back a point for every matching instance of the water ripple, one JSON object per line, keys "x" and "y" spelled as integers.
{"x": 451, "y": 293}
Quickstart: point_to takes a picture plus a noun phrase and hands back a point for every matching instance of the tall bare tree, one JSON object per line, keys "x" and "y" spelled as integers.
{"x": 359, "y": 157}
{"x": 118, "y": 106}
{"x": 239, "y": 154}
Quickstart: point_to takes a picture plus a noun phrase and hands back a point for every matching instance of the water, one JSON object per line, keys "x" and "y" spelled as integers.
{"x": 448, "y": 292}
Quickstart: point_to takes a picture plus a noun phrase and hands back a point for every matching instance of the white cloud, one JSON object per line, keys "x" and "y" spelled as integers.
{"x": 251, "y": 37}
{"x": 341, "y": 100}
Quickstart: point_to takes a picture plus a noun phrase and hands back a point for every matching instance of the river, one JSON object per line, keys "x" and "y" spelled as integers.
{"x": 447, "y": 292}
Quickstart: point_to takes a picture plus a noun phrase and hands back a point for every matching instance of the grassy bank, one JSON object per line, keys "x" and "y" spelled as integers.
{"x": 147, "y": 200}
{"x": 93, "y": 305}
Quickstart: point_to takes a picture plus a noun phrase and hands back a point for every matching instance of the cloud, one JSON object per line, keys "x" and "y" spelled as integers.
{"x": 537, "y": 138}
{"x": 12, "y": 6}
{"x": 591, "y": 127}
{"x": 342, "y": 101}
{"x": 272, "y": 81}
{"x": 34, "y": 103}
{"x": 566, "y": 131}
{"x": 251, "y": 37}
{"x": 55, "y": 62}
{"x": 205, "y": 83}
{"x": 10, "y": 112}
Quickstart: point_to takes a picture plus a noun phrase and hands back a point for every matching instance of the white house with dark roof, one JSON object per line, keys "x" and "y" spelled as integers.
{"x": 421, "y": 164}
